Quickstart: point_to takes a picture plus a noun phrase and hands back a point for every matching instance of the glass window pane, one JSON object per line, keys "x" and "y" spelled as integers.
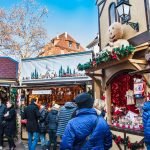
{"x": 120, "y": 10}
{"x": 112, "y": 13}
{"x": 126, "y": 9}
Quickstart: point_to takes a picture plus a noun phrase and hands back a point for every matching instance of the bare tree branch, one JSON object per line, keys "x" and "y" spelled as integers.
{"x": 21, "y": 30}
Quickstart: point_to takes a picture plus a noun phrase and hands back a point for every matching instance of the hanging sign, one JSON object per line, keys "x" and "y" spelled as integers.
{"x": 40, "y": 92}
{"x": 139, "y": 88}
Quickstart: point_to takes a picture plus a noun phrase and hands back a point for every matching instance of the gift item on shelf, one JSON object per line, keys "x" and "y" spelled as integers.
{"x": 131, "y": 121}
{"x": 130, "y": 97}
{"x": 139, "y": 105}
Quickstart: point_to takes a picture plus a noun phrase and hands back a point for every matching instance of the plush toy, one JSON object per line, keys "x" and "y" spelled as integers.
{"x": 116, "y": 40}
{"x": 115, "y": 32}
{"x": 107, "y": 48}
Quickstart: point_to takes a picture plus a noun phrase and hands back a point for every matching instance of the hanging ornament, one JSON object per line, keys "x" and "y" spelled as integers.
{"x": 130, "y": 97}
{"x": 139, "y": 88}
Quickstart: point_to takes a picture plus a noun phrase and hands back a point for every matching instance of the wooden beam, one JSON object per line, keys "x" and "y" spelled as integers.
{"x": 108, "y": 104}
{"x": 92, "y": 77}
{"x": 138, "y": 61}
{"x": 142, "y": 45}
{"x": 141, "y": 71}
{"x": 94, "y": 74}
{"x": 137, "y": 66}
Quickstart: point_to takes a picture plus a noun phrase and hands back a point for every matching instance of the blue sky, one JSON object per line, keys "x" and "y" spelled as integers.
{"x": 77, "y": 17}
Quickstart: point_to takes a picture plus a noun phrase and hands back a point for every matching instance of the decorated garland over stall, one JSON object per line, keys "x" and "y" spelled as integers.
{"x": 106, "y": 56}
{"x": 133, "y": 146}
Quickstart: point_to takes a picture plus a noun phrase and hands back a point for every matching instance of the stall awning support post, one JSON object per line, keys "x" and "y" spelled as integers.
{"x": 108, "y": 104}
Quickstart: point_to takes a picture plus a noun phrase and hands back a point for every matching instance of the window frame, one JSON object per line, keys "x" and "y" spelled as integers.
{"x": 77, "y": 45}
{"x": 111, "y": 4}
{"x": 70, "y": 44}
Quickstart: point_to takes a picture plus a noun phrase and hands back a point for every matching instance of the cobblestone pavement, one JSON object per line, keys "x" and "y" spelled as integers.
{"x": 20, "y": 146}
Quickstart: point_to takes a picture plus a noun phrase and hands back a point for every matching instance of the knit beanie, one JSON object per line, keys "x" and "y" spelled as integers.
{"x": 84, "y": 100}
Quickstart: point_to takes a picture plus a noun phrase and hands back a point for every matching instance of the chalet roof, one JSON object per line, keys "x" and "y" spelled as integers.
{"x": 65, "y": 36}
{"x": 60, "y": 45}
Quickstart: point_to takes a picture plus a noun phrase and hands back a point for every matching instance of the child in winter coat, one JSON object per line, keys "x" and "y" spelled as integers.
{"x": 52, "y": 121}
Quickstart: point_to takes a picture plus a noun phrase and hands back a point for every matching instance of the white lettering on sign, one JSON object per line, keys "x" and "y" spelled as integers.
{"x": 38, "y": 92}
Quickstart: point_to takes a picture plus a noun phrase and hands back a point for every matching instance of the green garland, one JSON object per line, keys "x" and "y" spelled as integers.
{"x": 13, "y": 98}
{"x": 13, "y": 95}
{"x": 106, "y": 56}
{"x": 124, "y": 51}
{"x": 85, "y": 66}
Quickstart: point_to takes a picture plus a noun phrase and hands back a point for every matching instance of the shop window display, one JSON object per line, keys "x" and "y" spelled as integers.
{"x": 127, "y": 96}
{"x": 58, "y": 94}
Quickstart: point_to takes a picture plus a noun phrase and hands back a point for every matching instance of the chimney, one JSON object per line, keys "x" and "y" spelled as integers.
{"x": 57, "y": 37}
{"x": 66, "y": 35}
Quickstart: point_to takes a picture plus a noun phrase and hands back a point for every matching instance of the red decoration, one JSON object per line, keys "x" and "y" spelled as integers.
{"x": 119, "y": 86}
{"x": 94, "y": 62}
{"x": 103, "y": 98}
{"x": 114, "y": 55}
{"x": 148, "y": 96}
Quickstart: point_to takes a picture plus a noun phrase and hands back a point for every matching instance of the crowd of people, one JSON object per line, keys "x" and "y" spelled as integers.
{"x": 79, "y": 124}
{"x": 76, "y": 124}
{"x": 40, "y": 121}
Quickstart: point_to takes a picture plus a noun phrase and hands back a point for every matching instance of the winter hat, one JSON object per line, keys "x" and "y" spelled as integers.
{"x": 84, "y": 100}
{"x": 56, "y": 107}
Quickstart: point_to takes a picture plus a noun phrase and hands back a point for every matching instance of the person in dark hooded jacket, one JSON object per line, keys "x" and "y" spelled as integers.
{"x": 10, "y": 127}
{"x": 87, "y": 130}
{"x": 32, "y": 114}
{"x": 2, "y": 112}
{"x": 146, "y": 123}
{"x": 42, "y": 126}
{"x": 52, "y": 121}
{"x": 65, "y": 114}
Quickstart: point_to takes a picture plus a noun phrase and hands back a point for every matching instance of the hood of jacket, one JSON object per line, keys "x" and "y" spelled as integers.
{"x": 54, "y": 112}
{"x": 86, "y": 111}
{"x": 146, "y": 106}
{"x": 12, "y": 106}
{"x": 69, "y": 105}
{"x": 42, "y": 109}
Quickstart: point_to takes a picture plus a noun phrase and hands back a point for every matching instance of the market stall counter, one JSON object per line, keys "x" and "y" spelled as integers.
{"x": 125, "y": 140}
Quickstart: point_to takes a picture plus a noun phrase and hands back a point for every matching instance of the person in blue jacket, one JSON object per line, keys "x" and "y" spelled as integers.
{"x": 146, "y": 123}
{"x": 87, "y": 130}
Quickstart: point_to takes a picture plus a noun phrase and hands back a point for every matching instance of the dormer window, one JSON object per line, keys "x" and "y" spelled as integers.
{"x": 70, "y": 44}
{"x": 77, "y": 45}
{"x": 112, "y": 13}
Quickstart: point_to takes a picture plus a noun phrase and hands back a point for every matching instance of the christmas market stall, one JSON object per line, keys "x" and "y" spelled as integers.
{"x": 54, "y": 78}
{"x": 116, "y": 72}
{"x": 8, "y": 78}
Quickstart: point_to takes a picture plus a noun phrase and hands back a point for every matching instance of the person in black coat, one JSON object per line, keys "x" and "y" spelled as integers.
{"x": 10, "y": 125}
{"x": 32, "y": 114}
{"x": 42, "y": 126}
{"x": 52, "y": 121}
{"x": 2, "y": 112}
